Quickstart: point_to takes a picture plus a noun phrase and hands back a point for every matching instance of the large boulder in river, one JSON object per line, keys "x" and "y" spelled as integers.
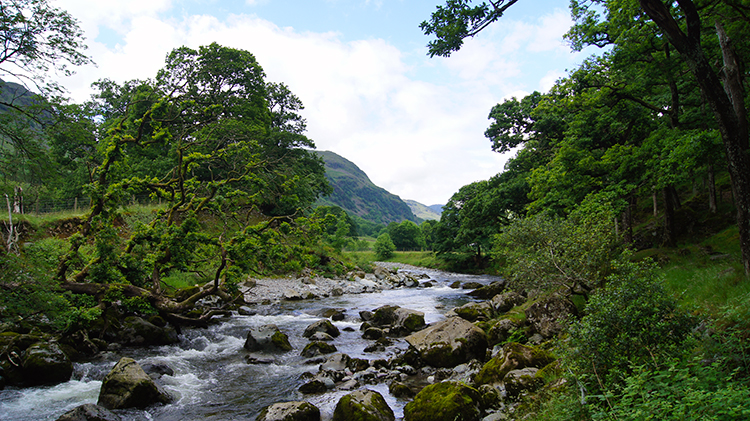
{"x": 485, "y": 292}
{"x": 324, "y": 326}
{"x": 397, "y": 321}
{"x": 137, "y": 331}
{"x": 546, "y": 316}
{"x": 449, "y": 343}
{"x": 474, "y": 311}
{"x": 445, "y": 401}
{"x": 503, "y": 303}
{"x": 364, "y": 405}
{"x": 267, "y": 338}
{"x": 89, "y": 412}
{"x": 46, "y": 363}
{"x": 289, "y": 411}
{"x": 128, "y": 386}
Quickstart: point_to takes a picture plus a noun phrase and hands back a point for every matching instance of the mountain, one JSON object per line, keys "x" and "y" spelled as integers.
{"x": 425, "y": 212}
{"x": 354, "y": 192}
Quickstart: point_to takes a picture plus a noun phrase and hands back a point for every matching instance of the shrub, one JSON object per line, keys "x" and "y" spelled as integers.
{"x": 631, "y": 322}
{"x": 384, "y": 247}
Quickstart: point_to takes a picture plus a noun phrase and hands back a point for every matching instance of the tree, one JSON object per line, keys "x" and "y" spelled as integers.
{"x": 205, "y": 129}
{"x": 384, "y": 247}
{"x": 37, "y": 38}
{"x": 406, "y": 235}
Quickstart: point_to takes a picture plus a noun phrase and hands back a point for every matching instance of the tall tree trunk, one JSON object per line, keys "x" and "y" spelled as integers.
{"x": 726, "y": 101}
{"x": 656, "y": 206}
{"x": 627, "y": 220}
{"x": 668, "y": 235}
{"x": 712, "y": 206}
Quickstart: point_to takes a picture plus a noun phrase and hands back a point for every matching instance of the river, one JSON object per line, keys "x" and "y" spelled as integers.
{"x": 213, "y": 381}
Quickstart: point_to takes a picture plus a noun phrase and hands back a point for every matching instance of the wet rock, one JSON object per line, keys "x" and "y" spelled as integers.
{"x": 365, "y": 315}
{"x": 365, "y": 405}
{"x": 314, "y": 349}
{"x": 445, "y": 401}
{"x": 257, "y": 360}
{"x": 322, "y": 326}
{"x": 140, "y": 332}
{"x": 267, "y": 338}
{"x": 46, "y": 363}
{"x": 128, "y": 386}
{"x": 450, "y": 342}
{"x": 313, "y": 386}
{"x": 546, "y": 315}
{"x": 335, "y": 314}
{"x": 373, "y": 333}
{"x": 400, "y": 390}
{"x": 397, "y": 320}
{"x": 485, "y": 292}
{"x": 455, "y": 284}
{"x": 290, "y": 411}
{"x": 471, "y": 285}
{"x": 336, "y": 362}
{"x": 89, "y": 412}
{"x": 514, "y": 356}
{"x": 157, "y": 370}
{"x": 321, "y": 336}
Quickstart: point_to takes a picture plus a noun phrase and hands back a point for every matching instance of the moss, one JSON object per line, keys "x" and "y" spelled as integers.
{"x": 414, "y": 322}
{"x": 281, "y": 341}
{"x": 317, "y": 348}
{"x": 363, "y": 406}
{"x": 514, "y": 356}
{"x": 445, "y": 401}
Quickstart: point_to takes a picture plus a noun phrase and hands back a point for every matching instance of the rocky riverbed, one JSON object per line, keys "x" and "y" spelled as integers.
{"x": 385, "y": 343}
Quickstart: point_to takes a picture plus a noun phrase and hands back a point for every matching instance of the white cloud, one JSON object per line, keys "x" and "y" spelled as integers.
{"x": 420, "y": 139}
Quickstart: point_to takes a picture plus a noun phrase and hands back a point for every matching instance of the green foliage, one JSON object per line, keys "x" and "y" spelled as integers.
{"x": 549, "y": 252}
{"x": 406, "y": 236}
{"x": 630, "y": 322}
{"x": 384, "y": 247}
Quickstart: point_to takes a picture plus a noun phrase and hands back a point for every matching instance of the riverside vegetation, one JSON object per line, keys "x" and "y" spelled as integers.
{"x": 626, "y": 292}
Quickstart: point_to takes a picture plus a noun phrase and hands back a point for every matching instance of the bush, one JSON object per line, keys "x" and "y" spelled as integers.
{"x": 632, "y": 322}
{"x": 384, "y": 247}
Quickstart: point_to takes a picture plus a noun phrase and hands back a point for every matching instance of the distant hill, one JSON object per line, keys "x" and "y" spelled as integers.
{"x": 354, "y": 192}
{"x": 425, "y": 212}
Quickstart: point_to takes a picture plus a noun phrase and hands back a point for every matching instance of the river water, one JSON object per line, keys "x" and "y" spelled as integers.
{"x": 213, "y": 381}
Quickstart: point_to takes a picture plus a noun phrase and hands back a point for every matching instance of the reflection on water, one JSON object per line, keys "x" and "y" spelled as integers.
{"x": 212, "y": 380}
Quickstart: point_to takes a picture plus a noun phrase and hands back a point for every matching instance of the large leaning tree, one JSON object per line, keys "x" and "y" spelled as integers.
{"x": 717, "y": 67}
{"x": 222, "y": 150}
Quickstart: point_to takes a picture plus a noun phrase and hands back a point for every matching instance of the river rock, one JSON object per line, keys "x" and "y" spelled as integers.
{"x": 292, "y": 295}
{"x": 313, "y": 386}
{"x": 157, "y": 369}
{"x": 322, "y": 326}
{"x": 514, "y": 356}
{"x": 290, "y": 411}
{"x": 474, "y": 311}
{"x": 449, "y": 343}
{"x": 137, "y": 331}
{"x": 46, "y": 363}
{"x": 502, "y": 303}
{"x": 365, "y": 405}
{"x": 546, "y": 316}
{"x": 267, "y": 338}
{"x": 445, "y": 401}
{"x": 485, "y": 292}
{"x": 336, "y": 362}
{"x": 523, "y": 380}
{"x": 313, "y": 349}
{"x": 128, "y": 386}
{"x": 397, "y": 320}
{"x": 501, "y": 331}
{"x": 89, "y": 412}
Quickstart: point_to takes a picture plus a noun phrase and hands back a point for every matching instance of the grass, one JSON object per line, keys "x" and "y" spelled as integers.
{"x": 414, "y": 258}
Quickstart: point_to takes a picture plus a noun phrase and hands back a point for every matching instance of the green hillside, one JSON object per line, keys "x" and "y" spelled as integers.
{"x": 424, "y": 211}
{"x": 354, "y": 192}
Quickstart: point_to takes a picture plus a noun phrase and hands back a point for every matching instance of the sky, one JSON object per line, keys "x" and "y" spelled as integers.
{"x": 372, "y": 94}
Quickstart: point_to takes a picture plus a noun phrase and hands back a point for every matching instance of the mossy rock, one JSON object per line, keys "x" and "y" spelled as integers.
{"x": 316, "y": 348}
{"x": 400, "y": 390}
{"x": 514, "y": 356}
{"x": 281, "y": 341}
{"x": 128, "y": 386}
{"x": 363, "y": 405}
{"x": 325, "y": 326}
{"x": 474, "y": 311}
{"x": 445, "y": 401}
{"x": 183, "y": 294}
{"x": 313, "y": 386}
{"x": 290, "y": 411}
{"x": 46, "y": 363}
